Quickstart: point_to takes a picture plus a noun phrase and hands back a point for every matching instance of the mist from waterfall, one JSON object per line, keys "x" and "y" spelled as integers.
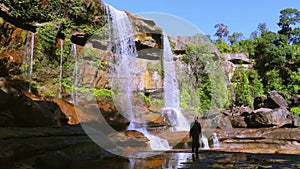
{"x": 125, "y": 66}
{"x": 171, "y": 90}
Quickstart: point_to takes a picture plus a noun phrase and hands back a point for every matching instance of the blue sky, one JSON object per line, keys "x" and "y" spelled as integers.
{"x": 239, "y": 15}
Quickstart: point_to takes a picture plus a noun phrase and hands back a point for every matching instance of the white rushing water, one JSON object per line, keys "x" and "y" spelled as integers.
{"x": 171, "y": 90}
{"x": 61, "y": 68}
{"x": 31, "y": 62}
{"x": 216, "y": 143}
{"x": 26, "y": 49}
{"x": 205, "y": 142}
{"x": 125, "y": 54}
{"x": 126, "y": 66}
{"x": 75, "y": 73}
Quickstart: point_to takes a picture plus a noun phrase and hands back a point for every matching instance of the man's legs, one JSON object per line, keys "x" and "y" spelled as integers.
{"x": 197, "y": 149}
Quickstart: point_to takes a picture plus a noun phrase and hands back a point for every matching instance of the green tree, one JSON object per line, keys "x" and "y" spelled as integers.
{"x": 288, "y": 22}
{"x": 222, "y": 32}
{"x": 241, "y": 85}
{"x": 234, "y": 40}
{"x": 207, "y": 70}
{"x": 256, "y": 85}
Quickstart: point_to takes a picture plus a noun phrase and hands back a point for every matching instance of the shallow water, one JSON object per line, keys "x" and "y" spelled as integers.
{"x": 207, "y": 159}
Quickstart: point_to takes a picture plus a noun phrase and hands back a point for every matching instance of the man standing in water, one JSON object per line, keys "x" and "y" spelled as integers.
{"x": 195, "y": 132}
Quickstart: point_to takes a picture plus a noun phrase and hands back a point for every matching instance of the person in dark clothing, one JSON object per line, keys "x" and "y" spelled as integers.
{"x": 195, "y": 132}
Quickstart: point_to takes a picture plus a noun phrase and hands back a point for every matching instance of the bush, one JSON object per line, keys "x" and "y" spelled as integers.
{"x": 103, "y": 93}
{"x": 295, "y": 111}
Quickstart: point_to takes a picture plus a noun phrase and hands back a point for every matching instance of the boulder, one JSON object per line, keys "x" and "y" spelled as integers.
{"x": 74, "y": 114}
{"x": 296, "y": 121}
{"x": 112, "y": 116}
{"x": 277, "y": 117}
{"x": 295, "y": 101}
{"x": 129, "y": 138}
{"x": 275, "y": 100}
{"x": 238, "y": 115}
{"x": 222, "y": 121}
{"x": 238, "y": 122}
{"x": 241, "y": 111}
{"x": 153, "y": 119}
{"x": 28, "y": 112}
{"x": 31, "y": 113}
{"x": 259, "y": 102}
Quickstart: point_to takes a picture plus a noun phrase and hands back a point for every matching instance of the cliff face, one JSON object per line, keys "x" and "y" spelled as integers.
{"x": 73, "y": 21}
{"x": 45, "y": 27}
{"x": 81, "y": 26}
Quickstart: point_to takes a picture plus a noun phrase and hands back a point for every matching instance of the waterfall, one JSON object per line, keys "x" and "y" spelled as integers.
{"x": 125, "y": 55}
{"x": 60, "y": 68}
{"x": 31, "y": 62}
{"x": 171, "y": 90}
{"x": 26, "y": 49}
{"x": 204, "y": 140}
{"x": 126, "y": 63}
{"x": 216, "y": 143}
{"x": 75, "y": 73}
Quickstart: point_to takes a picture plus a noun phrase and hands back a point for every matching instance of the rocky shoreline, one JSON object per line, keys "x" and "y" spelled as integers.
{"x": 61, "y": 147}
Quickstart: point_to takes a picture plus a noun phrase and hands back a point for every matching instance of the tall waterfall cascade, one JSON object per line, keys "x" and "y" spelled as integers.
{"x": 31, "y": 62}
{"x": 125, "y": 56}
{"x": 123, "y": 76}
{"x": 75, "y": 73}
{"x": 61, "y": 68}
{"x": 171, "y": 90}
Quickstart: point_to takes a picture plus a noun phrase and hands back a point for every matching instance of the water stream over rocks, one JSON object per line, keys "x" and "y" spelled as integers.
{"x": 31, "y": 62}
{"x": 124, "y": 71}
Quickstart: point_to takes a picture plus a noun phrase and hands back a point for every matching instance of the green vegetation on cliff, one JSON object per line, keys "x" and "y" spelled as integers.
{"x": 275, "y": 55}
{"x": 206, "y": 76}
{"x": 81, "y": 16}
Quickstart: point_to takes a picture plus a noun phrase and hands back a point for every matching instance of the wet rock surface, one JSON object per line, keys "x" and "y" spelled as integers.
{"x": 184, "y": 159}
{"x": 50, "y": 147}
{"x": 70, "y": 147}
{"x": 243, "y": 160}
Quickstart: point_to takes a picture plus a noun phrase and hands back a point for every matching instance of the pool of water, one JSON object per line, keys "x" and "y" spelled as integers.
{"x": 207, "y": 159}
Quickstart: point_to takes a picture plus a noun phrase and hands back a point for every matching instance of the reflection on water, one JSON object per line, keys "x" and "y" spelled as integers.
{"x": 207, "y": 159}
{"x": 165, "y": 160}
